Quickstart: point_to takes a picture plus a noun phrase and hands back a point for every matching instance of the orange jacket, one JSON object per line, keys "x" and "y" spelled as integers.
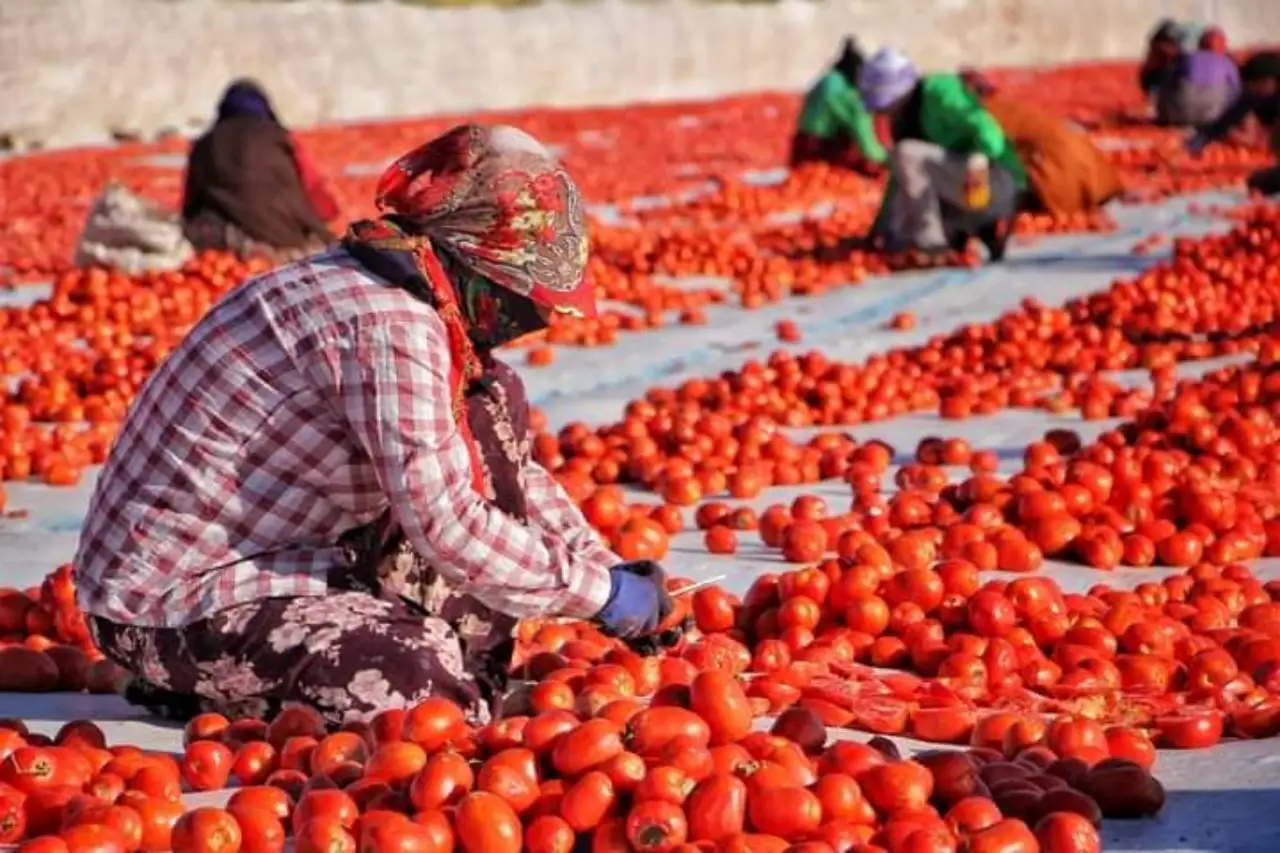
{"x": 1065, "y": 172}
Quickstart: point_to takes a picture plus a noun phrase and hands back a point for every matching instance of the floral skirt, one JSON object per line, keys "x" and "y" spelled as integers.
{"x": 390, "y": 634}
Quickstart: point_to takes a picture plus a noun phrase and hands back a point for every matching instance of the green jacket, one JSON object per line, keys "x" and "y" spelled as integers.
{"x": 953, "y": 118}
{"x": 833, "y": 107}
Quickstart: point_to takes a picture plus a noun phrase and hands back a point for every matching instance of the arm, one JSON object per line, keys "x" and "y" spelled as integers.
{"x": 983, "y": 133}
{"x": 847, "y": 109}
{"x": 552, "y": 510}
{"x": 393, "y": 389}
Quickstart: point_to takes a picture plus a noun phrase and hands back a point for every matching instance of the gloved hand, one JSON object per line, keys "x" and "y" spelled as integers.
{"x": 977, "y": 182}
{"x": 1195, "y": 145}
{"x": 638, "y": 602}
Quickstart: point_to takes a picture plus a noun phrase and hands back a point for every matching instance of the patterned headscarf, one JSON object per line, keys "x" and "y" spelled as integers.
{"x": 486, "y": 226}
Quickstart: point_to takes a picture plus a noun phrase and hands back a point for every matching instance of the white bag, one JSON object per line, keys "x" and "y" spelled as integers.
{"x": 128, "y": 233}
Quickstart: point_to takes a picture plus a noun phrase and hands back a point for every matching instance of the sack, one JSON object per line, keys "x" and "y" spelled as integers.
{"x": 128, "y": 233}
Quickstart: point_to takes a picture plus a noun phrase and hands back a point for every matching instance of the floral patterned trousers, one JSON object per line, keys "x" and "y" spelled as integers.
{"x": 349, "y": 654}
{"x": 390, "y": 633}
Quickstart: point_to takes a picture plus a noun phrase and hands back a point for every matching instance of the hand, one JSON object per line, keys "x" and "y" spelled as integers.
{"x": 638, "y": 602}
{"x": 1195, "y": 145}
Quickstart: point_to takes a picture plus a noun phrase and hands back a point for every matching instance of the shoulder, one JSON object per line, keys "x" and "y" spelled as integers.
{"x": 332, "y": 296}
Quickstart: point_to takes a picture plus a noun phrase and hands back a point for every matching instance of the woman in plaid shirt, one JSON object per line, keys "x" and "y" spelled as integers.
{"x": 325, "y": 494}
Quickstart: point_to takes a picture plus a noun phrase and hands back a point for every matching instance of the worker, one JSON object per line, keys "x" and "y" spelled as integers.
{"x": 834, "y": 126}
{"x": 250, "y": 188}
{"x": 1165, "y": 46}
{"x": 1066, "y": 173}
{"x": 954, "y": 173}
{"x": 325, "y": 494}
{"x": 1196, "y": 89}
{"x": 1260, "y": 98}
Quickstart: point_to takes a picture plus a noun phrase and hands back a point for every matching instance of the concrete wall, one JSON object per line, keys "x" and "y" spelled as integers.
{"x": 75, "y": 69}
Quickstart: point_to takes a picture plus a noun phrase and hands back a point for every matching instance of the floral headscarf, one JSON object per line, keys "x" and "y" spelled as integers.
{"x": 485, "y": 225}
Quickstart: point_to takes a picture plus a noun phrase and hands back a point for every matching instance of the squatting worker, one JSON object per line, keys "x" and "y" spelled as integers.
{"x": 250, "y": 186}
{"x": 325, "y": 494}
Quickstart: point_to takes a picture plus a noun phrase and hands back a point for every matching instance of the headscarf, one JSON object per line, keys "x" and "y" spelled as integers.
{"x": 886, "y": 78}
{"x": 850, "y": 62}
{"x": 1214, "y": 40}
{"x": 976, "y": 82}
{"x": 486, "y": 226}
{"x": 245, "y": 98}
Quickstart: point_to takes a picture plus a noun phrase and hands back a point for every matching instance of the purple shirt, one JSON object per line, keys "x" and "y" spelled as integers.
{"x": 1209, "y": 70}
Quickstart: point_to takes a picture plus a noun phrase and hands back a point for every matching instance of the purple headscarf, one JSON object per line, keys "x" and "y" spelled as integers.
{"x": 245, "y": 98}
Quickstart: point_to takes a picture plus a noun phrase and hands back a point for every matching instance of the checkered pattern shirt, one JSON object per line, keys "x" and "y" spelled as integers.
{"x": 305, "y": 403}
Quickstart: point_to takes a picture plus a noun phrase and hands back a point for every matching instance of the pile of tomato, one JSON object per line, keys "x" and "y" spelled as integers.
{"x": 1051, "y": 704}
{"x": 670, "y": 766}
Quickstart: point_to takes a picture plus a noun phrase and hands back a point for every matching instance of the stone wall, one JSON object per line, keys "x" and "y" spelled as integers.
{"x": 77, "y": 69}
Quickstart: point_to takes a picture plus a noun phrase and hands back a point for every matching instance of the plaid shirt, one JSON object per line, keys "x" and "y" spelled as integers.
{"x": 305, "y": 403}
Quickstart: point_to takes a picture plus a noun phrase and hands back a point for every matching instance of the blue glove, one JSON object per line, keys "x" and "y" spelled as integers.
{"x": 638, "y": 601}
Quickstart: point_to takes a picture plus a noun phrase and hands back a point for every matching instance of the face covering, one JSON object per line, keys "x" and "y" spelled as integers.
{"x": 494, "y": 315}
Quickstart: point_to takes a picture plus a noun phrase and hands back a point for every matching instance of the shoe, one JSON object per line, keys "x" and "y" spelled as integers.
{"x": 995, "y": 237}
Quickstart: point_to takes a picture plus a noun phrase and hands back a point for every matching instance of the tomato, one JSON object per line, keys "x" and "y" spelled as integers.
{"x": 587, "y": 801}
{"x": 261, "y": 831}
{"x": 444, "y": 780}
{"x": 206, "y": 830}
{"x": 1007, "y": 836}
{"x": 325, "y": 803}
{"x": 206, "y": 765}
{"x": 254, "y": 762}
{"x": 666, "y": 783}
{"x": 204, "y": 727}
{"x": 295, "y": 721}
{"x": 1192, "y": 730}
{"x": 44, "y": 844}
{"x": 549, "y": 834}
{"x": 841, "y": 799}
{"x": 30, "y": 769}
{"x": 713, "y": 610}
{"x": 324, "y": 835}
{"x": 718, "y": 698}
{"x": 94, "y": 838}
{"x": 1123, "y": 790}
{"x": 717, "y": 808}
{"x": 785, "y": 812}
{"x": 13, "y": 815}
{"x": 265, "y": 797}
{"x": 485, "y": 823}
{"x": 1063, "y": 832}
{"x": 158, "y": 815}
{"x": 972, "y": 815}
{"x": 512, "y": 775}
{"x": 586, "y": 746}
{"x": 651, "y": 730}
{"x": 897, "y": 786}
{"x": 397, "y": 835}
{"x": 657, "y": 826}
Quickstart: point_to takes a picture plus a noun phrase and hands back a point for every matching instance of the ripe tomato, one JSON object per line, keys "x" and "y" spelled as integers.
{"x": 206, "y": 765}
{"x": 786, "y": 812}
{"x": 206, "y": 830}
{"x": 324, "y": 835}
{"x": 586, "y": 746}
{"x": 718, "y": 698}
{"x": 485, "y": 823}
{"x": 656, "y": 826}
{"x": 549, "y": 834}
{"x": 261, "y": 831}
{"x": 717, "y": 808}
{"x": 587, "y": 801}
{"x": 94, "y": 838}
{"x": 652, "y": 729}
{"x": 444, "y": 780}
